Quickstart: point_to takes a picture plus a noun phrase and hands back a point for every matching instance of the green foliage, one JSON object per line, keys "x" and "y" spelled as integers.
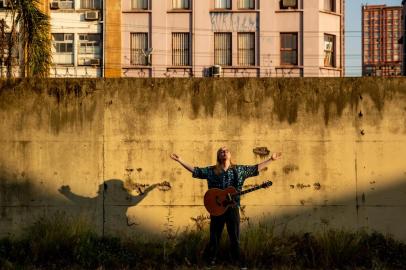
{"x": 34, "y": 34}
{"x": 64, "y": 243}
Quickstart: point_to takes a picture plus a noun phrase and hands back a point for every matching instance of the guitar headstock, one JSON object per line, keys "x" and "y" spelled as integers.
{"x": 266, "y": 184}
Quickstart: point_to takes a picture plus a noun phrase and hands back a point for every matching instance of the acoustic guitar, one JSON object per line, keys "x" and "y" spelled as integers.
{"x": 218, "y": 200}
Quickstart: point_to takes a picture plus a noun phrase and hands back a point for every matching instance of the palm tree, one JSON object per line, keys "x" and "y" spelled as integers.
{"x": 34, "y": 37}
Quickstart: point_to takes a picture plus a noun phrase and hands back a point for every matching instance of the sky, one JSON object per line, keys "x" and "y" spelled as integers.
{"x": 353, "y": 32}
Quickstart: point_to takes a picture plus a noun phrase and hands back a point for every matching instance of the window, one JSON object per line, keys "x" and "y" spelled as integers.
{"x": 180, "y": 4}
{"x": 180, "y": 49}
{"x": 289, "y": 49}
{"x": 62, "y": 46}
{"x": 389, "y": 57}
{"x": 329, "y": 50}
{"x": 330, "y": 5}
{"x": 138, "y": 47}
{"x": 89, "y": 49}
{"x": 222, "y": 4}
{"x": 90, "y": 4}
{"x": 63, "y": 43}
{"x": 5, "y": 49}
{"x": 4, "y": 3}
{"x": 139, "y": 4}
{"x": 285, "y": 4}
{"x": 246, "y": 49}
{"x": 246, "y": 4}
{"x": 222, "y": 49}
{"x": 89, "y": 43}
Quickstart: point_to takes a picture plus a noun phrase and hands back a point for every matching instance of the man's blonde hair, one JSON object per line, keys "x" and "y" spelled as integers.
{"x": 217, "y": 167}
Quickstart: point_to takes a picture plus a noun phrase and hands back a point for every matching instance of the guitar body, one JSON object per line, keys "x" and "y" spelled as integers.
{"x": 218, "y": 200}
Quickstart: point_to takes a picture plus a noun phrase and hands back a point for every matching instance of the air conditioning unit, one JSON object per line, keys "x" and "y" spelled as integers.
{"x": 54, "y": 5}
{"x": 91, "y": 15}
{"x": 289, "y": 3}
{"x": 94, "y": 62}
{"x": 216, "y": 71}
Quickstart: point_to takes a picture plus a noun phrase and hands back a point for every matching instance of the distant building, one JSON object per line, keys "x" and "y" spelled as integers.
{"x": 225, "y": 38}
{"x": 194, "y": 38}
{"x": 404, "y": 37}
{"x": 381, "y": 32}
{"x": 77, "y": 34}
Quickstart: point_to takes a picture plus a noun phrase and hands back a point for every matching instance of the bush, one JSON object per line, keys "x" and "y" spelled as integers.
{"x": 64, "y": 243}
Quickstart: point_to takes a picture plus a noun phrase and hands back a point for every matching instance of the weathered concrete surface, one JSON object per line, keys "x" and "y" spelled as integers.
{"x": 95, "y": 149}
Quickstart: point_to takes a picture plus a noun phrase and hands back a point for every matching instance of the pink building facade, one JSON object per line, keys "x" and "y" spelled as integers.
{"x": 231, "y": 38}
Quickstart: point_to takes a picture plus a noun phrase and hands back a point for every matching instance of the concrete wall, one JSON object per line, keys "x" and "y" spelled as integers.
{"x": 95, "y": 148}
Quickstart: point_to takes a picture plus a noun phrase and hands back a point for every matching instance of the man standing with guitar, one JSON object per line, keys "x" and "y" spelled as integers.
{"x": 222, "y": 176}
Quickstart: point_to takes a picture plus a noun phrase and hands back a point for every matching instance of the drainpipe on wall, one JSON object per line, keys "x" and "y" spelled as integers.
{"x": 301, "y": 40}
{"x": 193, "y": 40}
{"x": 342, "y": 51}
{"x": 103, "y": 22}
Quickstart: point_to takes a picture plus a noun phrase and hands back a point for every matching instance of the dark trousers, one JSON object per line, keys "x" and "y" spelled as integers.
{"x": 232, "y": 220}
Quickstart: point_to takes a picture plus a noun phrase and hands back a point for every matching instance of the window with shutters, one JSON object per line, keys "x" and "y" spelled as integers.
{"x": 246, "y": 49}
{"x": 138, "y": 48}
{"x": 289, "y": 49}
{"x": 180, "y": 49}
{"x": 222, "y": 49}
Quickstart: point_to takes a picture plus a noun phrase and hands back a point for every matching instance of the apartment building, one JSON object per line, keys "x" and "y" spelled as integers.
{"x": 381, "y": 40}
{"x": 5, "y": 34}
{"x": 404, "y": 37}
{"x": 225, "y": 38}
{"x": 77, "y": 35}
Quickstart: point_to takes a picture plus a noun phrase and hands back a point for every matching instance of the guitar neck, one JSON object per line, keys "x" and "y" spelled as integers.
{"x": 248, "y": 190}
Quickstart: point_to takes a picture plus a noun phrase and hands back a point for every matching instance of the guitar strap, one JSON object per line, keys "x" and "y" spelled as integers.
{"x": 235, "y": 182}
{"x": 235, "y": 177}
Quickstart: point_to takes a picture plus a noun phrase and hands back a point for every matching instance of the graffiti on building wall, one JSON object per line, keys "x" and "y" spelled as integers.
{"x": 233, "y": 22}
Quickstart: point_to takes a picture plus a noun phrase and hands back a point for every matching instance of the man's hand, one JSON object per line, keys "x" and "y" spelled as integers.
{"x": 276, "y": 156}
{"x": 264, "y": 164}
{"x": 175, "y": 157}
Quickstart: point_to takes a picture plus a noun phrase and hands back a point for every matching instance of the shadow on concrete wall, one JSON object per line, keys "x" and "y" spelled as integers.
{"x": 112, "y": 193}
{"x": 24, "y": 199}
{"x": 378, "y": 207}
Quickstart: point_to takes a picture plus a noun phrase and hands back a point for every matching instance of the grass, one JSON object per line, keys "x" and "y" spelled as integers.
{"x": 63, "y": 243}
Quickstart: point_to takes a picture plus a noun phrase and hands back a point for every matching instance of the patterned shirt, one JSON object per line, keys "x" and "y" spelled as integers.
{"x": 234, "y": 176}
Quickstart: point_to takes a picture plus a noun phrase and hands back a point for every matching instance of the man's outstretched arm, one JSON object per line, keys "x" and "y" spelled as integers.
{"x": 187, "y": 166}
{"x": 264, "y": 164}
